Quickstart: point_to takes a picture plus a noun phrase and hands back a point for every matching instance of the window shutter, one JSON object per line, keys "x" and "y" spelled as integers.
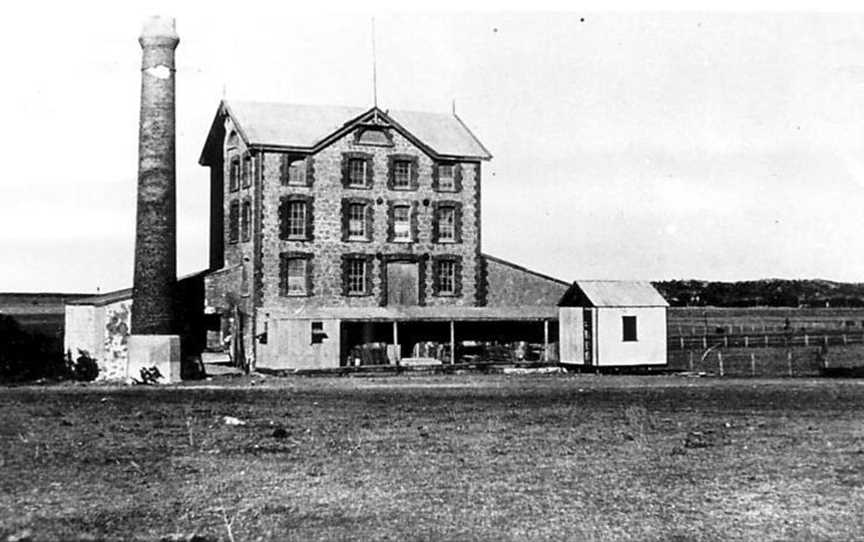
{"x": 369, "y": 258}
{"x": 346, "y": 212}
{"x": 391, "y": 172}
{"x": 345, "y": 260}
{"x": 390, "y": 222}
{"x": 457, "y": 222}
{"x": 309, "y": 275}
{"x": 284, "y": 165}
{"x": 310, "y": 219}
{"x": 415, "y": 174}
{"x": 435, "y": 222}
{"x": 310, "y": 170}
{"x": 370, "y": 221}
{"x": 283, "y": 274}
{"x": 345, "y": 179}
{"x": 457, "y": 280}
{"x": 435, "y": 167}
{"x": 283, "y": 219}
{"x": 414, "y": 227}
{"x": 436, "y": 276}
{"x": 457, "y": 177}
{"x": 370, "y": 171}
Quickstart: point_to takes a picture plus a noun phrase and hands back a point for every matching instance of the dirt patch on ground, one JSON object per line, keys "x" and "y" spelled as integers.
{"x": 445, "y": 457}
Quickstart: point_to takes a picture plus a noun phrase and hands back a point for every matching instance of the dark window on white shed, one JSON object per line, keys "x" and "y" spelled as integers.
{"x": 629, "y": 326}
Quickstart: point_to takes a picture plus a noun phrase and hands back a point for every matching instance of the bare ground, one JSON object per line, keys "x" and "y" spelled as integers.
{"x": 437, "y": 458}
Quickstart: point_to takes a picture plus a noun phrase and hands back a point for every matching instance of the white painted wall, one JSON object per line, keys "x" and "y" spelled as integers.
{"x": 570, "y": 335}
{"x": 649, "y": 349}
{"x": 289, "y": 345}
{"x": 80, "y": 330}
{"x": 87, "y": 328}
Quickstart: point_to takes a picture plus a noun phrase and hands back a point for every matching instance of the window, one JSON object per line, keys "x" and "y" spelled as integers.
{"x": 247, "y": 171}
{"x": 357, "y": 221}
{"x": 296, "y": 173}
{"x": 402, "y": 223}
{"x": 446, "y": 277}
{"x": 295, "y": 272}
{"x": 356, "y": 276}
{"x": 245, "y": 221}
{"x": 446, "y": 224}
{"x": 234, "y": 175}
{"x": 296, "y": 222}
{"x": 317, "y": 332}
{"x": 234, "y": 222}
{"x": 357, "y": 172}
{"x": 296, "y": 226}
{"x": 446, "y": 177}
{"x": 629, "y": 325}
{"x": 401, "y": 174}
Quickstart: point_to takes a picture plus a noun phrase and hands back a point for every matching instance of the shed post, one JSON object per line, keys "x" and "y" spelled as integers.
{"x": 545, "y": 340}
{"x": 396, "y": 350}
{"x": 452, "y": 342}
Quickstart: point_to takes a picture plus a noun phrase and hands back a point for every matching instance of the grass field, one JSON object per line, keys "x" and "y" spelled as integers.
{"x": 438, "y": 458}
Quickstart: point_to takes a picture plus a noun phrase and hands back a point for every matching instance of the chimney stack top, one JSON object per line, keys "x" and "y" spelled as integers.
{"x": 159, "y": 26}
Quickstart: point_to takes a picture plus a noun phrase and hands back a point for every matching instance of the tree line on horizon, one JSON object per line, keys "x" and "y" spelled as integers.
{"x": 761, "y": 293}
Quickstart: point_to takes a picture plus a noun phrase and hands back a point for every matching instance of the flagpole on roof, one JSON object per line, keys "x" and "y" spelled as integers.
{"x": 374, "y": 74}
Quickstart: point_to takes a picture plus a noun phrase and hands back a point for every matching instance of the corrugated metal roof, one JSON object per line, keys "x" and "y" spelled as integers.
{"x": 305, "y": 126}
{"x": 289, "y": 125}
{"x": 444, "y": 313}
{"x": 621, "y": 293}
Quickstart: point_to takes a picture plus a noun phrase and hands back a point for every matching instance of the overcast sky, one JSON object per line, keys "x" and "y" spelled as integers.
{"x": 626, "y": 146}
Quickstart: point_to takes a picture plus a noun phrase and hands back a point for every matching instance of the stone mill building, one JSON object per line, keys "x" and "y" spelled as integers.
{"x": 348, "y": 236}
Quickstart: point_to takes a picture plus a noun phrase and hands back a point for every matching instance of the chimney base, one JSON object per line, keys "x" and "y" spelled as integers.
{"x": 161, "y": 352}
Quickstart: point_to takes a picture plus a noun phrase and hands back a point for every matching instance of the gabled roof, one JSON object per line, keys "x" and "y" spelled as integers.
{"x": 612, "y": 293}
{"x": 308, "y": 128}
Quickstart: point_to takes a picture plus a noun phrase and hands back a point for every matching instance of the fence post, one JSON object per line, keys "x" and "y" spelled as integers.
{"x": 720, "y": 361}
{"x": 726, "y": 341}
{"x": 789, "y": 360}
{"x": 806, "y": 340}
{"x": 766, "y": 341}
{"x": 752, "y": 364}
{"x": 691, "y": 361}
{"x": 682, "y": 342}
{"x": 746, "y": 341}
{"x": 704, "y": 341}
{"x": 844, "y": 340}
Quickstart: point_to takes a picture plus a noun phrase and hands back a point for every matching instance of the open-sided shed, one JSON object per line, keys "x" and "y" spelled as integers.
{"x": 605, "y": 323}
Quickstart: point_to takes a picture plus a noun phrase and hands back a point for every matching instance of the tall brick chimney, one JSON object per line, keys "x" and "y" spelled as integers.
{"x": 153, "y": 344}
{"x": 156, "y": 233}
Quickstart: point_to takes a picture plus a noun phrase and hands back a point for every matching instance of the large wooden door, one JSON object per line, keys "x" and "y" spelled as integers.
{"x": 402, "y": 283}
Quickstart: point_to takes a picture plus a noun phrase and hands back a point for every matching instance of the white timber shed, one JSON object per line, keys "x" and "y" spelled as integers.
{"x": 610, "y": 323}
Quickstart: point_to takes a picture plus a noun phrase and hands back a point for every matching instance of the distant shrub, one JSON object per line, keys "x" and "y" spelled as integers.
{"x": 84, "y": 368}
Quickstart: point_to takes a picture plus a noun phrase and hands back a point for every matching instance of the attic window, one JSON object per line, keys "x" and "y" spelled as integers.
{"x": 373, "y": 136}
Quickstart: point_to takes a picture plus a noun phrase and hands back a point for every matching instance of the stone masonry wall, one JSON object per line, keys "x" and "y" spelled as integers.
{"x": 327, "y": 245}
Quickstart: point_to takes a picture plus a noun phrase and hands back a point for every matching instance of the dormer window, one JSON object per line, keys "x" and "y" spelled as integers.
{"x": 373, "y": 135}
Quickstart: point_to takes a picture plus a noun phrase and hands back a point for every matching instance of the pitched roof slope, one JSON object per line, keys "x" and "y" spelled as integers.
{"x": 305, "y": 126}
{"x": 613, "y": 293}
